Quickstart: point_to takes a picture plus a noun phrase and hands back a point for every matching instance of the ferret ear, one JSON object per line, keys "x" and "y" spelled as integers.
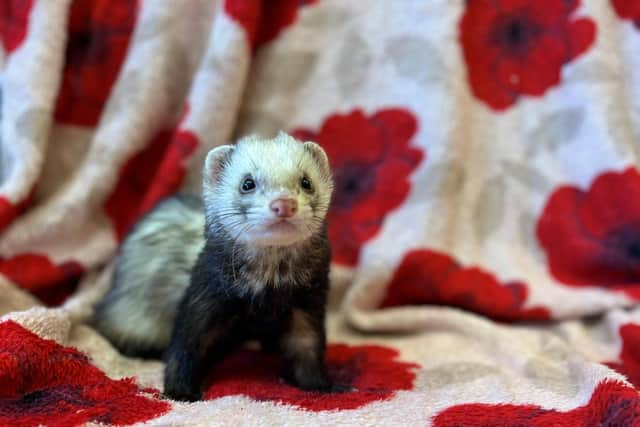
{"x": 214, "y": 164}
{"x": 319, "y": 156}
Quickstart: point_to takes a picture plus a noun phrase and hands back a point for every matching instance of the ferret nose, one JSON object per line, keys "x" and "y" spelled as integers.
{"x": 284, "y": 208}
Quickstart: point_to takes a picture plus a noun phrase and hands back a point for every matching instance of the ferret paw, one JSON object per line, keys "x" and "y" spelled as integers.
{"x": 338, "y": 388}
{"x": 184, "y": 394}
{"x": 320, "y": 384}
{"x": 330, "y": 387}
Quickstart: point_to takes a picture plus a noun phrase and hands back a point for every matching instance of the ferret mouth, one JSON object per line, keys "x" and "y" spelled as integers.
{"x": 282, "y": 226}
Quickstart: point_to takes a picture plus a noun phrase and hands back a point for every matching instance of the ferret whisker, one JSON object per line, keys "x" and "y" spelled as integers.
{"x": 244, "y": 229}
{"x": 228, "y": 214}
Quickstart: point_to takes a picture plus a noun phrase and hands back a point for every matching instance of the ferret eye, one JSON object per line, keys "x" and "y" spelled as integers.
{"x": 248, "y": 185}
{"x": 305, "y": 183}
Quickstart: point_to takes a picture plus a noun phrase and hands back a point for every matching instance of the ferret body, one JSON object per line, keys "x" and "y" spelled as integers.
{"x": 261, "y": 272}
{"x": 152, "y": 271}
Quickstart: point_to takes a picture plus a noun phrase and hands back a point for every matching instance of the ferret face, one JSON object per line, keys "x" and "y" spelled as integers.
{"x": 272, "y": 192}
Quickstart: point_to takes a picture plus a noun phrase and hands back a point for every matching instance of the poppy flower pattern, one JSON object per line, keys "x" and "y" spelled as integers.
{"x": 277, "y": 16}
{"x": 592, "y": 237}
{"x": 373, "y": 372}
{"x": 150, "y": 175}
{"x": 262, "y": 20}
{"x": 472, "y": 282}
{"x": 429, "y": 277}
{"x": 9, "y": 211}
{"x": 44, "y": 383}
{"x": 612, "y": 404}
{"x": 372, "y": 160}
{"x": 628, "y": 9}
{"x": 518, "y": 47}
{"x": 14, "y": 23}
{"x": 52, "y": 283}
{"x": 629, "y": 359}
{"x": 99, "y": 35}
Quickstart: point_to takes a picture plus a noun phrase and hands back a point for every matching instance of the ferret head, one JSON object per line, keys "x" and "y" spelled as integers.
{"x": 267, "y": 192}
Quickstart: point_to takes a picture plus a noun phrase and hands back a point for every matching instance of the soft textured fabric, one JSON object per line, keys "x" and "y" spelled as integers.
{"x": 485, "y": 225}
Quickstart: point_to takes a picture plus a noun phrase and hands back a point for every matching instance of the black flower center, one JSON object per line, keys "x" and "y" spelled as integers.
{"x": 45, "y": 401}
{"x": 619, "y": 412}
{"x": 515, "y": 34}
{"x": 634, "y": 250}
{"x": 629, "y": 243}
{"x": 352, "y": 183}
{"x": 85, "y": 47}
{"x": 623, "y": 248}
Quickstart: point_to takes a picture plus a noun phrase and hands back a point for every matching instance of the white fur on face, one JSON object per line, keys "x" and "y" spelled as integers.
{"x": 277, "y": 167}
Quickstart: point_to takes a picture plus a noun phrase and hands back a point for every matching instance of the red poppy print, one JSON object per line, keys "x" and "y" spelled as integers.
{"x": 628, "y": 9}
{"x": 373, "y": 372}
{"x": 278, "y": 15}
{"x": 10, "y": 211}
{"x": 612, "y": 404}
{"x": 149, "y": 176}
{"x": 99, "y": 35}
{"x": 44, "y": 383}
{"x": 429, "y": 277}
{"x": 247, "y": 13}
{"x": 629, "y": 360}
{"x": 372, "y": 160}
{"x": 592, "y": 237}
{"x": 518, "y": 47}
{"x": 14, "y": 22}
{"x": 51, "y": 283}
{"x": 264, "y": 20}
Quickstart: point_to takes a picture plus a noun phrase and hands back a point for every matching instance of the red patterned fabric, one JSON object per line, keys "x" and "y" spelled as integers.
{"x": 154, "y": 173}
{"x": 10, "y": 211}
{"x": 51, "y": 282}
{"x": 428, "y": 277}
{"x": 372, "y": 160}
{"x": 14, "y": 22}
{"x": 628, "y": 9}
{"x": 612, "y": 404}
{"x": 277, "y": 15}
{"x": 485, "y": 155}
{"x": 44, "y": 383}
{"x": 592, "y": 237}
{"x": 518, "y": 47}
{"x": 629, "y": 359}
{"x": 372, "y": 372}
{"x": 99, "y": 35}
{"x": 247, "y": 13}
{"x": 263, "y": 20}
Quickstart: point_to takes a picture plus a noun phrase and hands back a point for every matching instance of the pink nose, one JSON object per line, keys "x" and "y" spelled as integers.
{"x": 284, "y": 208}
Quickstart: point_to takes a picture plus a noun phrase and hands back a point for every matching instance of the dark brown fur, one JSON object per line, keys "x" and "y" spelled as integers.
{"x": 235, "y": 296}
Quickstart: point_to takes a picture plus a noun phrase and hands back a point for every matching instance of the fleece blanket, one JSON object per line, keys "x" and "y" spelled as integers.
{"x": 485, "y": 225}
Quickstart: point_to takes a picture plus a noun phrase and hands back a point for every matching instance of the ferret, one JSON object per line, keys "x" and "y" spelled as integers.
{"x": 260, "y": 270}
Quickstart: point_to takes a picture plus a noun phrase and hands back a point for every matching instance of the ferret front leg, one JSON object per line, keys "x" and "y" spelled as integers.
{"x": 200, "y": 338}
{"x": 303, "y": 346}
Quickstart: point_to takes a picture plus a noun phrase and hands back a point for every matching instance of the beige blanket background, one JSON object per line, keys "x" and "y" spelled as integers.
{"x": 486, "y": 224}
